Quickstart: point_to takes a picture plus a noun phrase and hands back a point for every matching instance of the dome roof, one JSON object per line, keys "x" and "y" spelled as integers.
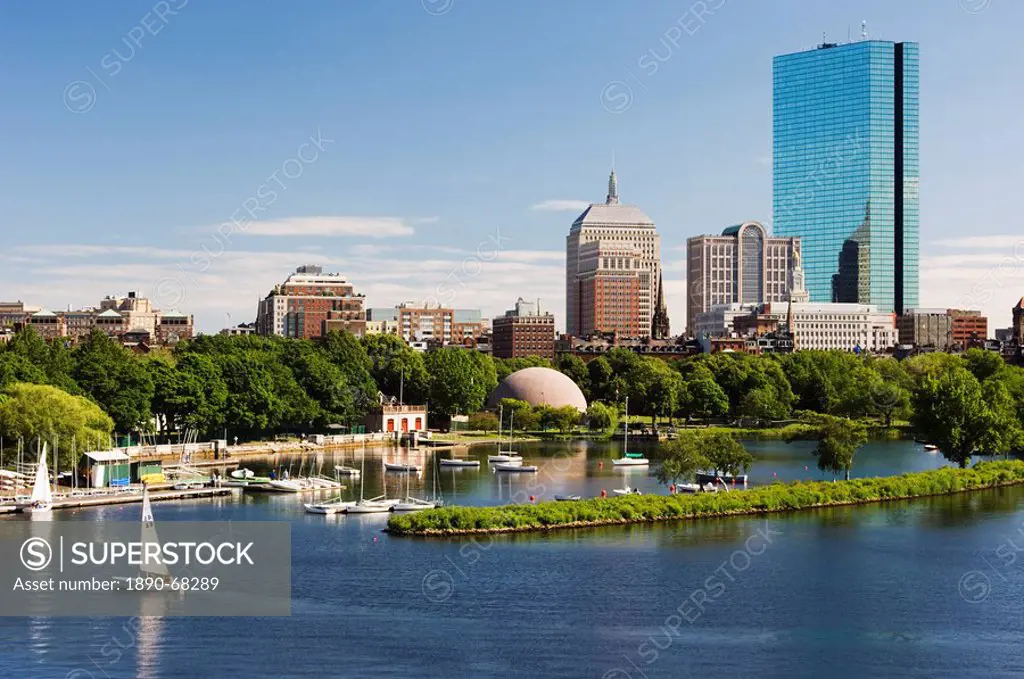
{"x": 539, "y": 386}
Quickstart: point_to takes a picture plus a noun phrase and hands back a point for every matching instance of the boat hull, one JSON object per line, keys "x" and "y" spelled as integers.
{"x": 515, "y": 468}
{"x": 460, "y": 463}
{"x": 706, "y": 477}
{"x": 631, "y": 462}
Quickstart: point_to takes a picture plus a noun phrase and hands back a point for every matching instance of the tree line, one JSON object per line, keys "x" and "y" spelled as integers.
{"x": 255, "y": 387}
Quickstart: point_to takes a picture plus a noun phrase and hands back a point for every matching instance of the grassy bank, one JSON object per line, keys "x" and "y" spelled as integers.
{"x": 760, "y": 500}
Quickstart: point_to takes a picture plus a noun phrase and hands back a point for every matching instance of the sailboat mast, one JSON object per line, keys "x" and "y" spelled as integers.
{"x": 625, "y": 430}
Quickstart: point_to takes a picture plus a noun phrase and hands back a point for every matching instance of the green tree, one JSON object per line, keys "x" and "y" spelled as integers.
{"x": 567, "y": 418}
{"x": 682, "y": 457}
{"x": 702, "y": 397}
{"x": 483, "y": 421}
{"x": 600, "y": 376}
{"x": 397, "y": 369}
{"x": 32, "y": 411}
{"x": 725, "y": 455}
{"x": 575, "y": 369}
{"x": 344, "y": 350}
{"x": 951, "y": 409}
{"x": 114, "y": 378}
{"x": 456, "y": 382}
{"x": 603, "y": 418}
{"x": 984, "y": 364}
{"x": 839, "y": 439}
{"x": 762, "y": 404}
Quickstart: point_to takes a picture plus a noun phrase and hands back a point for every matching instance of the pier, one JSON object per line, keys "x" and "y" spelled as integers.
{"x": 101, "y": 499}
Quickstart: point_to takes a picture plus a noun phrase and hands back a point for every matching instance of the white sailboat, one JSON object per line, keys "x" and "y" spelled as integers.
{"x": 410, "y": 503}
{"x": 377, "y": 505}
{"x": 41, "y": 501}
{"x": 508, "y": 456}
{"x": 629, "y": 459}
{"x": 152, "y": 570}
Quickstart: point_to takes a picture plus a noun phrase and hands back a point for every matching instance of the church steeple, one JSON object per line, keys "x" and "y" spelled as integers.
{"x": 613, "y": 189}
{"x": 660, "y": 326}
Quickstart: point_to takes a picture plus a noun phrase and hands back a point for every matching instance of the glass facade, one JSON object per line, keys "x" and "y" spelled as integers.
{"x": 845, "y": 169}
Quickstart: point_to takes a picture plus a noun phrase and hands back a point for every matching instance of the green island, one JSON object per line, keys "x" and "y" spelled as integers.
{"x": 779, "y": 497}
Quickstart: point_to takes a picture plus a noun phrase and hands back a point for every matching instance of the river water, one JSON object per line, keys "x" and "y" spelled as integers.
{"x": 927, "y": 588}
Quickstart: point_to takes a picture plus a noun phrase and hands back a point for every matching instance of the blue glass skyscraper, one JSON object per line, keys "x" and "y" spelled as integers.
{"x": 845, "y": 169}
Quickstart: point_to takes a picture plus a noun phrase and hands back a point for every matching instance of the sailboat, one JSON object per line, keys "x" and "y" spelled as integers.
{"x": 629, "y": 459}
{"x": 377, "y": 505}
{"x": 41, "y": 501}
{"x": 410, "y": 503}
{"x": 509, "y": 456}
{"x": 158, "y": 570}
{"x": 335, "y": 505}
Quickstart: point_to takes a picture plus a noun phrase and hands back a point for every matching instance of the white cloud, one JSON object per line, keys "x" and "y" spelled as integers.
{"x": 1003, "y": 242}
{"x": 371, "y": 227}
{"x": 561, "y": 206}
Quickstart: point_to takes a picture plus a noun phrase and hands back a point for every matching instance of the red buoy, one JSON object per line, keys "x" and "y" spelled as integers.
{"x": 531, "y": 498}
{"x": 600, "y": 465}
{"x": 604, "y": 493}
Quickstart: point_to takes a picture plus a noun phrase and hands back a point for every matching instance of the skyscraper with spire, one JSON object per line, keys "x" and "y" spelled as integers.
{"x": 612, "y": 249}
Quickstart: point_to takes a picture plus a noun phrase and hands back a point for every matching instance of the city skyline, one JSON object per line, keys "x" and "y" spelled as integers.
{"x": 407, "y": 204}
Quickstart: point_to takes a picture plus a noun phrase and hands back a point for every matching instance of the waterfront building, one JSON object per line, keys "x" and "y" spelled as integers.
{"x": 310, "y": 304}
{"x": 172, "y": 328}
{"x": 845, "y": 133}
{"x": 525, "y": 330}
{"x": 744, "y": 265}
{"x": 390, "y": 415}
{"x": 607, "y": 227}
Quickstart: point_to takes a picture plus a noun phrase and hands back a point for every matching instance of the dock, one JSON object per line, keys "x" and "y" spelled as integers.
{"x": 104, "y": 499}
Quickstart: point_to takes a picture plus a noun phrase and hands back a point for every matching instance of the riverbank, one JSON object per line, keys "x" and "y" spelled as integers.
{"x": 650, "y": 508}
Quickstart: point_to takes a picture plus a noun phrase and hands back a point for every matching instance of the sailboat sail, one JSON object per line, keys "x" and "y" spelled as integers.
{"x": 42, "y": 494}
{"x": 149, "y": 537}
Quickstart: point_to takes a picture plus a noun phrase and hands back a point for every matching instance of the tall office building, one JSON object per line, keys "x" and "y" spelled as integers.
{"x": 627, "y": 231}
{"x": 845, "y": 166}
{"x": 742, "y": 266}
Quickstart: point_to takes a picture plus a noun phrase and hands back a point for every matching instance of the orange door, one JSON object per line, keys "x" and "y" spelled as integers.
{"x": 405, "y": 424}
{"x": 391, "y": 424}
{"x": 419, "y": 424}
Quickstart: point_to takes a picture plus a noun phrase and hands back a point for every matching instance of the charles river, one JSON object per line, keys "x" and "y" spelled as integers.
{"x": 930, "y": 588}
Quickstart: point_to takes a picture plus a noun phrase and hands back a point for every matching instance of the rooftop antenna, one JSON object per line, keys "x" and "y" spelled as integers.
{"x": 864, "y": 30}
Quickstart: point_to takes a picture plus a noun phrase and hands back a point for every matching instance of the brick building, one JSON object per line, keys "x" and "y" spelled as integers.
{"x": 524, "y": 331}
{"x": 310, "y": 304}
{"x": 609, "y": 289}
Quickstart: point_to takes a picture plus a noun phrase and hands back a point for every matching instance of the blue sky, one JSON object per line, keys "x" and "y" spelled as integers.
{"x": 456, "y": 140}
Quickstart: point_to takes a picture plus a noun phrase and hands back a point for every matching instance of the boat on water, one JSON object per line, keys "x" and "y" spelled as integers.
{"x": 505, "y": 455}
{"x": 346, "y": 471}
{"x": 336, "y": 506}
{"x": 243, "y": 474}
{"x": 705, "y": 477}
{"x": 41, "y": 501}
{"x": 515, "y": 467}
{"x": 150, "y": 568}
{"x": 627, "y": 491}
{"x": 415, "y": 504}
{"x": 568, "y": 498}
{"x": 931, "y": 448}
{"x": 399, "y": 467}
{"x": 629, "y": 459}
{"x": 453, "y": 462}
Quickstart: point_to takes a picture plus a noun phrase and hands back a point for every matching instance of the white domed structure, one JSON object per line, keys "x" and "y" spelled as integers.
{"x": 539, "y": 386}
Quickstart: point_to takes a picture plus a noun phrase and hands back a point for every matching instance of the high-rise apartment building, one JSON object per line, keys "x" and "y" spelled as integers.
{"x": 310, "y": 304}
{"x": 626, "y": 230}
{"x": 845, "y": 169}
{"x": 742, "y": 266}
{"x": 524, "y": 331}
